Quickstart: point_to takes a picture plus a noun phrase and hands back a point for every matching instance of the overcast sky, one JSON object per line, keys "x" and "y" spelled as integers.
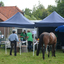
{"x": 22, "y": 4}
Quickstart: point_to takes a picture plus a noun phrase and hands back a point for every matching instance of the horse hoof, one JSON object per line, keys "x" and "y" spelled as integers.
{"x": 37, "y": 54}
{"x": 43, "y": 58}
{"x": 54, "y": 56}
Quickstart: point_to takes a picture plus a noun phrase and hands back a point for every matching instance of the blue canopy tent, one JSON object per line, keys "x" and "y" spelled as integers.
{"x": 53, "y": 20}
{"x": 50, "y": 23}
{"x": 18, "y": 20}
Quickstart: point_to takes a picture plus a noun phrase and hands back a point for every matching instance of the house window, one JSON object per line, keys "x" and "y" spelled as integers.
{"x": 19, "y": 31}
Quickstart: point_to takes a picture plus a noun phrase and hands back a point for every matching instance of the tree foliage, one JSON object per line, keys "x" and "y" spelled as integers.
{"x": 60, "y": 7}
{"x": 51, "y": 8}
{"x": 40, "y": 6}
{"x": 1, "y": 3}
{"x": 30, "y": 17}
{"x": 39, "y": 12}
{"x": 27, "y": 11}
{"x": 59, "y": 1}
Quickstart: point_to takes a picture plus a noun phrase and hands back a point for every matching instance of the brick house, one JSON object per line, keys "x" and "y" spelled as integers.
{"x": 5, "y": 13}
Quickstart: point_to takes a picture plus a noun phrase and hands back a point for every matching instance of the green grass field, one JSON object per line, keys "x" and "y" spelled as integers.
{"x": 28, "y": 58}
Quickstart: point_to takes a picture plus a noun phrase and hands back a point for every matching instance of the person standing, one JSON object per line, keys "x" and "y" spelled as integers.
{"x": 30, "y": 40}
{"x": 23, "y": 37}
{"x": 13, "y": 38}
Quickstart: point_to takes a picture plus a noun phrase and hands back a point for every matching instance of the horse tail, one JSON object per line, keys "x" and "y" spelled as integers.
{"x": 40, "y": 43}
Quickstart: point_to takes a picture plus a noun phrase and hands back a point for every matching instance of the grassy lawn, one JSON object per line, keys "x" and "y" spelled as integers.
{"x": 28, "y": 58}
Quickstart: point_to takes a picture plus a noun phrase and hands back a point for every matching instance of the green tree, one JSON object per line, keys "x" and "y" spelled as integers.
{"x": 30, "y": 18}
{"x": 51, "y": 8}
{"x": 27, "y": 16}
{"x": 34, "y": 8}
{"x": 60, "y": 7}
{"x": 39, "y": 11}
{"x": 44, "y": 14}
{"x": 59, "y": 1}
{"x": 40, "y": 6}
{"x": 1, "y": 3}
{"x": 41, "y": 14}
{"x": 33, "y": 18}
{"x": 27, "y": 11}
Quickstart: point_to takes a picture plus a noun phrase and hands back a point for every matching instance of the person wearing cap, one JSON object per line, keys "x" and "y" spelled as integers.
{"x": 23, "y": 36}
{"x": 30, "y": 40}
{"x": 13, "y": 38}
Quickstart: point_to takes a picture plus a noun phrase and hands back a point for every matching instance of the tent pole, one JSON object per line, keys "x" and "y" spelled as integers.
{"x": 4, "y": 32}
{"x": 33, "y": 43}
{"x": 20, "y": 47}
{"x": 5, "y": 47}
{"x": 8, "y": 31}
{"x": 5, "y": 42}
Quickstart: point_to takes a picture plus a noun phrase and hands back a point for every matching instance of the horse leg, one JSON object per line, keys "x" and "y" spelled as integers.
{"x": 48, "y": 51}
{"x": 53, "y": 50}
{"x": 39, "y": 45}
{"x": 43, "y": 51}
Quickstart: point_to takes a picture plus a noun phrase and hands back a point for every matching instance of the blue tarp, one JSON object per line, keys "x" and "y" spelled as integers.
{"x": 59, "y": 31}
{"x": 60, "y": 28}
{"x": 53, "y": 20}
{"x": 18, "y": 20}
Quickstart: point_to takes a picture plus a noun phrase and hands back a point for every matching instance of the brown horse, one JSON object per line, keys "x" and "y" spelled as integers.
{"x": 47, "y": 39}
